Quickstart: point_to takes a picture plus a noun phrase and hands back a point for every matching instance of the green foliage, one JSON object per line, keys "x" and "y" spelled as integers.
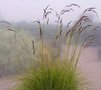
{"x": 54, "y": 76}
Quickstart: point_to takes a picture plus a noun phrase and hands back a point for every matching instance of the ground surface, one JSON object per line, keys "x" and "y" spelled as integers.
{"x": 7, "y": 83}
{"x": 89, "y": 64}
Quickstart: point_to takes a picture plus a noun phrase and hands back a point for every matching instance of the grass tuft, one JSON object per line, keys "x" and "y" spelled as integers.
{"x": 54, "y": 76}
{"x": 58, "y": 73}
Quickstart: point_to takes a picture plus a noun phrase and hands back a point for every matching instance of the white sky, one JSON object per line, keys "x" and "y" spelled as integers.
{"x": 28, "y": 10}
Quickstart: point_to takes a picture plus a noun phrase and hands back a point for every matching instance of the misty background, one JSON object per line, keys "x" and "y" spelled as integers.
{"x": 29, "y": 10}
{"x": 21, "y": 14}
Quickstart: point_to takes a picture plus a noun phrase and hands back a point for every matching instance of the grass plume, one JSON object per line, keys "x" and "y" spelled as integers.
{"x": 59, "y": 73}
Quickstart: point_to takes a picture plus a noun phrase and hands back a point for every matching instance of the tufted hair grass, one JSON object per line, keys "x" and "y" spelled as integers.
{"x": 59, "y": 73}
{"x": 53, "y": 76}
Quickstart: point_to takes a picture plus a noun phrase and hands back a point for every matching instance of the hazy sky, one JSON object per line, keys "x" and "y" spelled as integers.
{"x": 18, "y": 10}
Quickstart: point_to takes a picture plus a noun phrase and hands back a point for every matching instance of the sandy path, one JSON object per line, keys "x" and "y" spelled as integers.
{"x": 91, "y": 66}
{"x": 7, "y": 83}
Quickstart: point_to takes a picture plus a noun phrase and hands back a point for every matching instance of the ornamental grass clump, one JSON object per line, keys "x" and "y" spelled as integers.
{"x": 50, "y": 72}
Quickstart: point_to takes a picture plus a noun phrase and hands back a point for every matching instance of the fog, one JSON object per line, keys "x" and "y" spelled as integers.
{"x": 21, "y": 14}
{"x": 29, "y": 10}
